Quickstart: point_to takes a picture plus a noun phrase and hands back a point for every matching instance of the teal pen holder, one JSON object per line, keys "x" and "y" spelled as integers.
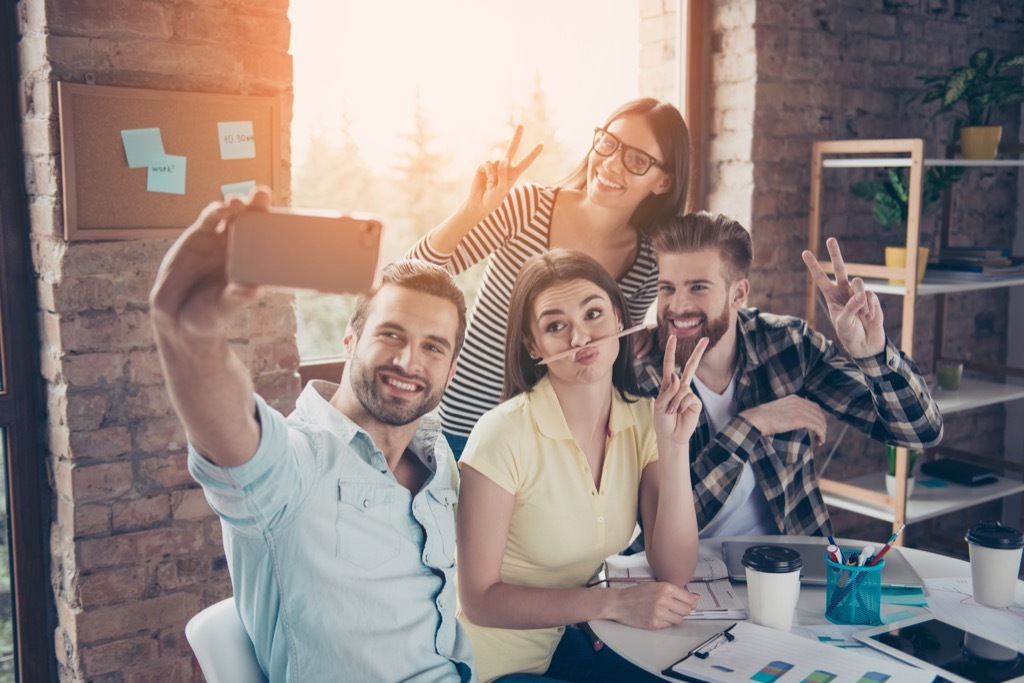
{"x": 854, "y": 594}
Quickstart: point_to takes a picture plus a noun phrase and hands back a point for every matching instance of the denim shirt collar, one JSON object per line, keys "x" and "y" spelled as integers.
{"x": 314, "y": 405}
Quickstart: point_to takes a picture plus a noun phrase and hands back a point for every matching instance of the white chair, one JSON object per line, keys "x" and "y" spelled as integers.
{"x": 222, "y": 646}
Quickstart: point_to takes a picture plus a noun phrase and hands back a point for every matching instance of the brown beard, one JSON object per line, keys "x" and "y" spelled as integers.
{"x": 714, "y": 330}
{"x": 383, "y": 408}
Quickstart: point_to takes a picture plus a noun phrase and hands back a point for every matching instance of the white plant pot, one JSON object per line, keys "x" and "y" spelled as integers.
{"x": 890, "y": 485}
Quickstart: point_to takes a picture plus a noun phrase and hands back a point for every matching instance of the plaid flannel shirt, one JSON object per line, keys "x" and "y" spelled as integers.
{"x": 883, "y": 396}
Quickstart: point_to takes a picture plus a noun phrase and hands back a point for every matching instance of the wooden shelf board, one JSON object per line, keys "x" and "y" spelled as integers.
{"x": 974, "y": 162}
{"x": 975, "y": 393}
{"x": 894, "y": 162}
{"x": 936, "y": 285}
{"x": 927, "y": 502}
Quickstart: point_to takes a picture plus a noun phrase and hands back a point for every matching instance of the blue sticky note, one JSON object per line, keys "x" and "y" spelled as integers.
{"x": 237, "y": 140}
{"x": 167, "y": 174}
{"x": 242, "y": 188}
{"x": 142, "y": 145}
{"x": 890, "y": 617}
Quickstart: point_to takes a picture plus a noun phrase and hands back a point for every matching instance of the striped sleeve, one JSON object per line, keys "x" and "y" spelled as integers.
{"x": 487, "y": 236}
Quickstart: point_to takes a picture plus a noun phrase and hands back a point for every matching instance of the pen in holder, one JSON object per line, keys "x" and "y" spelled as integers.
{"x": 854, "y": 594}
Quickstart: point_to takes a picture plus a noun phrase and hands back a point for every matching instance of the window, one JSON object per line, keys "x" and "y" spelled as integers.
{"x": 396, "y": 105}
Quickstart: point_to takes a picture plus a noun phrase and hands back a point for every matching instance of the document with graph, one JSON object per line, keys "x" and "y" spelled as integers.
{"x": 717, "y": 598}
{"x": 748, "y": 652}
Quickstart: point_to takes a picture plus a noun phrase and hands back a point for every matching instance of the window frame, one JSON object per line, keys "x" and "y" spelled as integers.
{"x": 21, "y": 408}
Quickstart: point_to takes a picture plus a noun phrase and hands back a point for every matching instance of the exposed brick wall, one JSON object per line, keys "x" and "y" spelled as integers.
{"x": 136, "y": 551}
{"x": 785, "y": 74}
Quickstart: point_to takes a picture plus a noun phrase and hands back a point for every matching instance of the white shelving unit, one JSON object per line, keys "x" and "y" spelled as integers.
{"x": 927, "y": 502}
{"x": 866, "y": 494}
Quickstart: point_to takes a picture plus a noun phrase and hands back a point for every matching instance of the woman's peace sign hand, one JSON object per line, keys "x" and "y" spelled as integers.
{"x": 494, "y": 179}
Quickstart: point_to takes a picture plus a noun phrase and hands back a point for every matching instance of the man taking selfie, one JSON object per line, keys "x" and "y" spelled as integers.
{"x": 338, "y": 521}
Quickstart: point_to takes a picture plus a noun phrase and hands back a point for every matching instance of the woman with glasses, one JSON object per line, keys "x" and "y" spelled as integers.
{"x": 635, "y": 176}
{"x": 555, "y": 477}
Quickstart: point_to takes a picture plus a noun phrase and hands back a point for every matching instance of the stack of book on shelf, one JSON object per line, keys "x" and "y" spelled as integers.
{"x": 975, "y": 263}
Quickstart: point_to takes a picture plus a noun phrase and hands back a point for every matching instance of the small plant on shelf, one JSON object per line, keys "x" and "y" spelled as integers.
{"x": 890, "y": 454}
{"x": 891, "y": 196}
{"x": 973, "y": 93}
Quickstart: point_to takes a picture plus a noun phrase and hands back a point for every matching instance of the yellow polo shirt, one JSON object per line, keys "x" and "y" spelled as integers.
{"x": 562, "y": 526}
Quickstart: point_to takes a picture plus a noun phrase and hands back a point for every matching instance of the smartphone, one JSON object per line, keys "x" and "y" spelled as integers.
{"x": 324, "y": 251}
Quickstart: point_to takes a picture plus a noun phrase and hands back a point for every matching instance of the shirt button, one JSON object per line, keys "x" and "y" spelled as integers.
{"x": 366, "y": 503}
{"x": 600, "y": 520}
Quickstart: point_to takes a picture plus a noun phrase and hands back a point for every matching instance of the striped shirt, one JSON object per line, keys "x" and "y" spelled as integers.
{"x": 517, "y": 230}
{"x": 883, "y": 396}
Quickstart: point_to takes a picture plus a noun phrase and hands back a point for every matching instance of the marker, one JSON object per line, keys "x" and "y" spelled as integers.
{"x": 839, "y": 553}
{"x": 577, "y": 349}
{"x": 833, "y": 553}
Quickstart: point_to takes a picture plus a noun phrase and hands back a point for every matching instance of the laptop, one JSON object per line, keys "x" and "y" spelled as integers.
{"x": 897, "y": 572}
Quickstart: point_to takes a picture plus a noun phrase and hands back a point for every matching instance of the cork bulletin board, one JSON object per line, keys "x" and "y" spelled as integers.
{"x": 143, "y": 163}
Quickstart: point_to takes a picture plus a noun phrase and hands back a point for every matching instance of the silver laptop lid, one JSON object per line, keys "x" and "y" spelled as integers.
{"x": 897, "y": 573}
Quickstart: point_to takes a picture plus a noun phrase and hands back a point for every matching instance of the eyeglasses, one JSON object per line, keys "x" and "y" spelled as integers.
{"x": 636, "y": 161}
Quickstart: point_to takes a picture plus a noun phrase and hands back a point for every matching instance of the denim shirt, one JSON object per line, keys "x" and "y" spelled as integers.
{"x": 339, "y": 572}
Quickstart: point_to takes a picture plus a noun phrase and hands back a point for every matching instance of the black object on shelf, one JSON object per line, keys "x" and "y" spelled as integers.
{"x": 959, "y": 472}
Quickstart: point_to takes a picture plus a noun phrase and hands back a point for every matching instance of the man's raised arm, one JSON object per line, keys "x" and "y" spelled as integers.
{"x": 190, "y": 304}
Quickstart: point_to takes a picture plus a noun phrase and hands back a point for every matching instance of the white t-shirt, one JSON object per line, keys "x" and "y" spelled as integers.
{"x": 745, "y": 511}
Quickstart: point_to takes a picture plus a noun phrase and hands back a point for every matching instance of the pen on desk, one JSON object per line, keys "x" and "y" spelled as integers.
{"x": 621, "y": 579}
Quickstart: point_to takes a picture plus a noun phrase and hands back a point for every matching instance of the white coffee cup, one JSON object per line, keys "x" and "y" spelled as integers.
{"x": 995, "y": 552}
{"x": 773, "y": 584}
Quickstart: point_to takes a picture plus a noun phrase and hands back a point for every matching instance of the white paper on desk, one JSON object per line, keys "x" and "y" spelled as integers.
{"x": 763, "y": 654}
{"x": 840, "y": 635}
{"x": 952, "y": 600}
{"x": 717, "y": 599}
{"x": 709, "y": 566}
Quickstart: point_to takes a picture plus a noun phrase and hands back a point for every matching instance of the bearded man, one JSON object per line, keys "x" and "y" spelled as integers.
{"x": 338, "y": 521}
{"x": 767, "y": 382}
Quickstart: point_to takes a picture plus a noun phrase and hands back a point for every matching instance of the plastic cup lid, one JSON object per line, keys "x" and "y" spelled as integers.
{"x": 992, "y": 534}
{"x": 772, "y": 559}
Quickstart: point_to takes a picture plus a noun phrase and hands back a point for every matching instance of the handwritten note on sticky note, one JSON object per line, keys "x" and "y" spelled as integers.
{"x": 237, "y": 188}
{"x": 141, "y": 145}
{"x": 167, "y": 174}
{"x": 236, "y": 140}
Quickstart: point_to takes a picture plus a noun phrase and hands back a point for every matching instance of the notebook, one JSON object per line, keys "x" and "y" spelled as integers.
{"x": 897, "y": 572}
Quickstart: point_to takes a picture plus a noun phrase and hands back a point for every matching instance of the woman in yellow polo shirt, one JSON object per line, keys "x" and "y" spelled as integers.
{"x": 553, "y": 479}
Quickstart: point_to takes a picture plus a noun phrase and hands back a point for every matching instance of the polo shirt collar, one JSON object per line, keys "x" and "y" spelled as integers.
{"x": 550, "y": 421}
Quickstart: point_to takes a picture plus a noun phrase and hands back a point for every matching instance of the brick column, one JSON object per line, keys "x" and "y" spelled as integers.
{"x": 135, "y": 549}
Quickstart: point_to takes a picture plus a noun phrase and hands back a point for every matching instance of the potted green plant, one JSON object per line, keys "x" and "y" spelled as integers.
{"x": 974, "y": 92}
{"x": 890, "y": 477}
{"x": 890, "y": 199}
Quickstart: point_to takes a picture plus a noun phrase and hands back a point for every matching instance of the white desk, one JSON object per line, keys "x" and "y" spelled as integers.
{"x": 656, "y": 650}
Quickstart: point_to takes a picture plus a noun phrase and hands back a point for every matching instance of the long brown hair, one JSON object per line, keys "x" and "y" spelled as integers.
{"x": 537, "y": 275}
{"x": 674, "y": 141}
